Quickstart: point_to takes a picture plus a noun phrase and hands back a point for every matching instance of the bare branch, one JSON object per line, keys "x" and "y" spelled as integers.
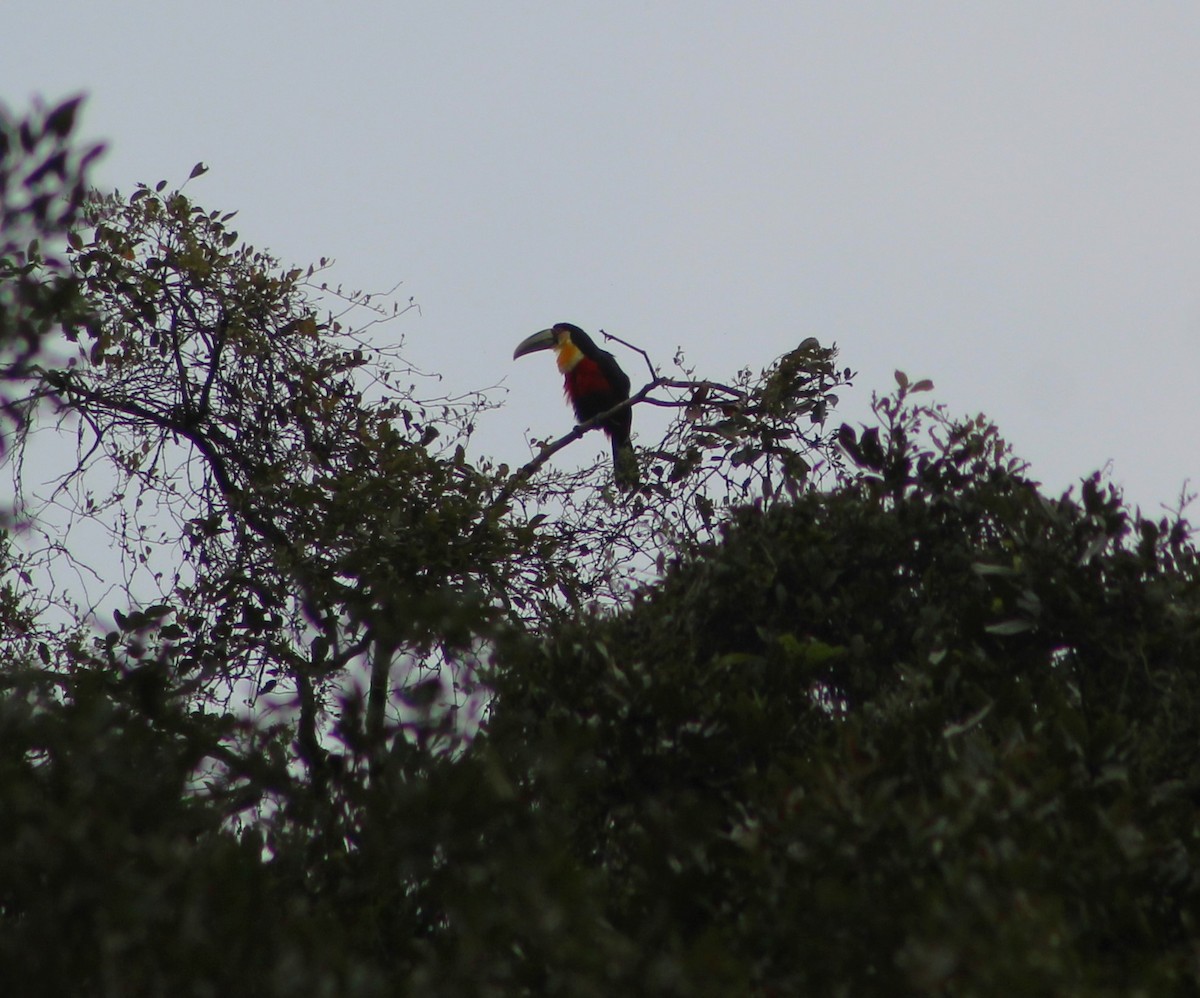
{"x": 527, "y": 470}
{"x": 616, "y": 339}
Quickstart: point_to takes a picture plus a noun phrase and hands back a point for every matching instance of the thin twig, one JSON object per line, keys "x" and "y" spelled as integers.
{"x": 646, "y": 356}
{"x": 526, "y": 471}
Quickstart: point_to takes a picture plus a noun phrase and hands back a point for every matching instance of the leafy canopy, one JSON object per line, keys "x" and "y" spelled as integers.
{"x": 814, "y": 711}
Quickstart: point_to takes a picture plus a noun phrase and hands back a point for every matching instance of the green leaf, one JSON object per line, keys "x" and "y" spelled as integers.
{"x": 1009, "y": 627}
{"x": 981, "y": 568}
{"x": 962, "y": 726}
{"x": 319, "y": 649}
{"x": 62, "y": 119}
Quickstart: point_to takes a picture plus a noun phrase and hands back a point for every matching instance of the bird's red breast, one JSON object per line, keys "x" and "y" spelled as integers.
{"x": 585, "y": 378}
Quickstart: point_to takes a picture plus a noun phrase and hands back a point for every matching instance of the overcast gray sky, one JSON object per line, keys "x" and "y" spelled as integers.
{"x": 1002, "y": 197}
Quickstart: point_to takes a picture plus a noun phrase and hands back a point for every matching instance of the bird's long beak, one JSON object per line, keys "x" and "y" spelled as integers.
{"x": 543, "y": 340}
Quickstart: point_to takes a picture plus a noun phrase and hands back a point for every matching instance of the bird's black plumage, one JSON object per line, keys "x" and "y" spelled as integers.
{"x": 594, "y": 383}
{"x": 592, "y": 396}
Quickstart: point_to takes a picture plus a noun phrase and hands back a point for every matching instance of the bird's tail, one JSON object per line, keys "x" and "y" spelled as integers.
{"x": 625, "y": 465}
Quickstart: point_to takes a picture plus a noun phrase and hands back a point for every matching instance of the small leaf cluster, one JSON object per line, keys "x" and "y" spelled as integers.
{"x": 42, "y": 188}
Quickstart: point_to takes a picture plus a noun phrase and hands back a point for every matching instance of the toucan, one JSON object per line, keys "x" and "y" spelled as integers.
{"x": 594, "y": 383}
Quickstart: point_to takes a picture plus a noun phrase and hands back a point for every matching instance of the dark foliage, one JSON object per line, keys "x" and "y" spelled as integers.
{"x": 926, "y": 730}
{"x": 931, "y": 732}
{"x": 42, "y": 187}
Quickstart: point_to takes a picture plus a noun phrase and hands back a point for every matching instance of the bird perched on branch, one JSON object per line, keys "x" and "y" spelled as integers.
{"x": 594, "y": 383}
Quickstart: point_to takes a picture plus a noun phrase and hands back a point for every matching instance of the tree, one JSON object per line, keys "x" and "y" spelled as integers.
{"x": 297, "y": 527}
{"x": 857, "y": 711}
{"x": 929, "y": 732}
{"x": 322, "y": 520}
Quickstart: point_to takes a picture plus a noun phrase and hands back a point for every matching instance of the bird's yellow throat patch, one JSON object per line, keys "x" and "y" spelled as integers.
{"x": 567, "y": 354}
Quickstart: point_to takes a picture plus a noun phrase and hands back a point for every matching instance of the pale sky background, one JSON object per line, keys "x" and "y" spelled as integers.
{"x": 1003, "y": 197}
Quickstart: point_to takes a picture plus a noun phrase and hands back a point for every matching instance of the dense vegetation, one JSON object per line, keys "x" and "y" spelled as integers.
{"x": 815, "y": 712}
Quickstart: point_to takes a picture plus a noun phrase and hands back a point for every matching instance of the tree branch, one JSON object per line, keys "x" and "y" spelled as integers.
{"x": 526, "y": 471}
{"x": 645, "y": 356}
